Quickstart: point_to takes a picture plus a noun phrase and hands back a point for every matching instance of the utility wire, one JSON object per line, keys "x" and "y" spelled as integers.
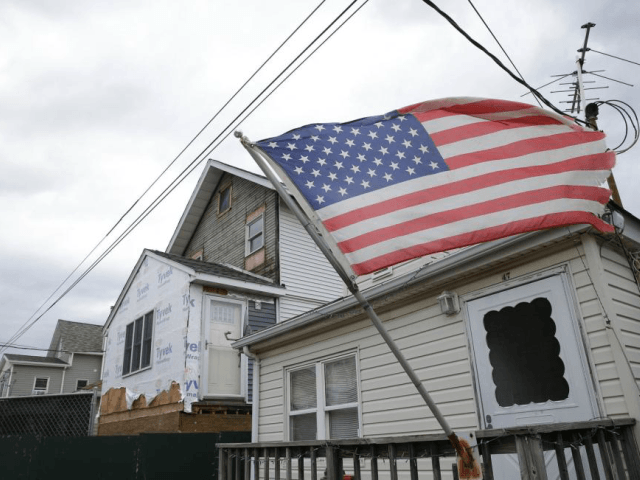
{"x": 500, "y": 45}
{"x": 183, "y": 175}
{"x": 2, "y": 347}
{"x": 613, "y": 56}
{"x": 500, "y": 64}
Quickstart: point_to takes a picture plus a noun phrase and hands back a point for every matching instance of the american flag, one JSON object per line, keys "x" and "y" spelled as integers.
{"x": 443, "y": 174}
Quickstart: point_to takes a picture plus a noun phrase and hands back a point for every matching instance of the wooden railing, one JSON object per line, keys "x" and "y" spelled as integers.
{"x": 615, "y": 458}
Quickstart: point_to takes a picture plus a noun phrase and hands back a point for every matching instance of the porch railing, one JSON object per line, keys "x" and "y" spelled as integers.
{"x": 603, "y": 449}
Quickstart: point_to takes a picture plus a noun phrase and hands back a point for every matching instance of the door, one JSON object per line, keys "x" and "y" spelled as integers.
{"x": 530, "y": 365}
{"x": 223, "y": 365}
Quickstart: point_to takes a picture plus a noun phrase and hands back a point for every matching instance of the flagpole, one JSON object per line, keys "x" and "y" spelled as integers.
{"x": 257, "y": 155}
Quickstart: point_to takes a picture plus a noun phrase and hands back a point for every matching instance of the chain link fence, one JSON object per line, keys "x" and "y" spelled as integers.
{"x": 66, "y": 415}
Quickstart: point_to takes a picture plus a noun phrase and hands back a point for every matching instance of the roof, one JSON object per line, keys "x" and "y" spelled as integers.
{"x": 200, "y": 199}
{"x": 17, "y": 358}
{"x": 216, "y": 269}
{"x": 76, "y": 337}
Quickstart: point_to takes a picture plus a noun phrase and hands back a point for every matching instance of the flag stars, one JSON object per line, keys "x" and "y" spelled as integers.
{"x": 298, "y": 170}
{"x": 365, "y": 184}
{"x": 377, "y": 161}
{"x": 394, "y": 166}
{"x": 286, "y": 157}
{"x": 332, "y": 176}
{"x": 400, "y": 155}
{"x": 338, "y": 165}
{"x": 326, "y": 187}
{"x": 424, "y": 149}
{"x": 344, "y": 153}
{"x": 355, "y": 168}
{"x": 396, "y": 128}
{"x": 416, "y": 159}
{"x": 309, "y": 184}
{"x": 413, "y": 132}
{"x": 304, "y": 158}
{"x": 342, "y": 191}
{"x": 361, "y": 157}
{"x": 337, "y": 129}
{"x": 319, "y": 127}
{"x": 388, "y": 177}
{"x": 309, "y": 148}
{"x": 383, "y": 150}
{"x": 371, "y": 172}
{"x": 315, "y": 138}
{"x": 401, "y": 118}
{"x": 390, "y": 139}
{"x": 407, "y": 144}
{"x": 296, "y": 136}
{"x": 327, "y": 151}
{"x": 320, "y": 199}
{"x": 291, "y": 146}
{"x": 332, "y": 140}
{"x": 379, "y": 124}
{"x": 349, "y": 180}
{"x": 315, "y": 172}
{"x": 355, "y": 132}
{"x": 366, "y": 146}
{"x": 411, "y": 170}
{"x": 434, "y": 165}
{"x": 322, "y": 162}
{"x": 373, "y": 135}
{"x": 273, "y": 144}
{"x": 350, "y": 142}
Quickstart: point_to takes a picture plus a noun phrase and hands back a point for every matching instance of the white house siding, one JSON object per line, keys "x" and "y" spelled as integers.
{"x": 436, "y": 346}
{"x": 163, "y": 289}
{"x": 626, "y": 302}
{"x": 84, "y": 367}
{"x": 308, "y": 276}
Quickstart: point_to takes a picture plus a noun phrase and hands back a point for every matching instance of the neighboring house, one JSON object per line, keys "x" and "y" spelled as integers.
{"x": 74, "y": 362}
{"x": 237, "y": 262}
{"x": 537, "y": 329}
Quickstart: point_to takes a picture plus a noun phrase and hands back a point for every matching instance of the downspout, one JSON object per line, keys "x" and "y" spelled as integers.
{"x": 255, "y": 408}
{"x": 64, "y": 373}
{"x": 10, "y": 380}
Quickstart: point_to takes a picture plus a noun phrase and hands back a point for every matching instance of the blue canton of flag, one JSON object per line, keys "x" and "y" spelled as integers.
{"x": 331, "y": 162}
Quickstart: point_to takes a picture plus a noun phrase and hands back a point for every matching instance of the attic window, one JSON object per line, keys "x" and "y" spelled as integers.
{"x": 224, "y": 199}
{"x": 255, "y": 235}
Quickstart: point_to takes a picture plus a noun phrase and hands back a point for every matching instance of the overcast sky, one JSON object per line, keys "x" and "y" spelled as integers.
{"x": 97, "y": 98}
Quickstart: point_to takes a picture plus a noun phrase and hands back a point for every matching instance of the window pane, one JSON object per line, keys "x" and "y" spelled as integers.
{"x": 225, "y": 200}
{"x": 343, "y": 423}
{"x": 255, "y": 227}
{"x": 303, "y": 427}
{"x": 128, "y": 344}
{"x": 137, "y": 345}
{"x": 525, "y": 354}
{"x": 303, "y": 389}
{"x": 256, "y": 243}
{"x": 81, "y": 384}
{"x": 146, "y": 340}
{"x": 41, "y": 383}
{"x": 340, "y": 382}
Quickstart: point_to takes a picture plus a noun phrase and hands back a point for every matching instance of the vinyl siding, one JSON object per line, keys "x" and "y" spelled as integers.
{"x": 84, "y": 367}
{"x": 24, "y": 375}
{"x": 222, "y": 237}
{"x": 258, "y": 319}
{"x": 436, "y": 346}
{"x": 308, "y": 276}
{"x": 626, "y": 302}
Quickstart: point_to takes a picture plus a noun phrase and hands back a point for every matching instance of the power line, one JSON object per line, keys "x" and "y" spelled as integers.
{"x": 170, "y": 165}
{"x": 501, "y": 47}
{"x": 184, "y": 174}
{"x": 499, "y": 63}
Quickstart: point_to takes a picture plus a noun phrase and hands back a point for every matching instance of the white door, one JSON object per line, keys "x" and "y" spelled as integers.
{"x": 530, "y": 366}
{"x": 223, "y": 364}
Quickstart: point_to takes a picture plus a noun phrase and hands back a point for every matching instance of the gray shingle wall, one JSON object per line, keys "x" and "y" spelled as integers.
{"x": 222, "y": 238}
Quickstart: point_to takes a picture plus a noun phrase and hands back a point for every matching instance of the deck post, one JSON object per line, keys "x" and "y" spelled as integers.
{"x": 531, "y": 457}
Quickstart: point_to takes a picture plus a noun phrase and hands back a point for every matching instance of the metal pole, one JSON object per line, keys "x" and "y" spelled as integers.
{"x": 257, "y": 154}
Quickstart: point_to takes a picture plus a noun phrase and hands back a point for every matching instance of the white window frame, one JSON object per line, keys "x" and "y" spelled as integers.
{"x": 81, "y": 380}
{"x": 247, "y": 238}
{"x": 40, "y": 391}
{"x": 322, "y": 410}
{"x": 140, "y": 368}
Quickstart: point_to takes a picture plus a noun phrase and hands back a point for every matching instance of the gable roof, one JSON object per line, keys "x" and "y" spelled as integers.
{"x": 206, "y": 273}
{"x": 76, "y": 337}
{"x": 200, "y": 198}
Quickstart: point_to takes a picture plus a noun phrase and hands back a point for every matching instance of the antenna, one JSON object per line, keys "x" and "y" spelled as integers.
{"x": 578, "y": 93}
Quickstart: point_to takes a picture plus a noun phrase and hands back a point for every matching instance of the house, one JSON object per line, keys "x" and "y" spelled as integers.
{"x": 237, "y": 262}
{"x": 529, "y": 342}
{"x": 72, "y": 363}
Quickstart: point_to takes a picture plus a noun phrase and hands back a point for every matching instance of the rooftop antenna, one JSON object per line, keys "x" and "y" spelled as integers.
{"x": 578, "y": 94}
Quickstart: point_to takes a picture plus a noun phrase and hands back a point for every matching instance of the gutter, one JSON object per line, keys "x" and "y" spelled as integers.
{"x": 255, "y": 407}
{"x": 427, "y": 272}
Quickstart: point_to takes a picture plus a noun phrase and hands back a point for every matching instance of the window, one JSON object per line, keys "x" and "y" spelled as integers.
{"x": 323, "y": 400}
{"x": 137, "y": 344}
{"x": 81, "y": 384}
{"x": 224, "y": 199}
{"x": 255, "y": 235}
{"x": 40, "y": 386}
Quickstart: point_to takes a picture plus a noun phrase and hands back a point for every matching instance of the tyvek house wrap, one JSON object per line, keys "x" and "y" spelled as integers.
{"x": 175, "y": 352}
